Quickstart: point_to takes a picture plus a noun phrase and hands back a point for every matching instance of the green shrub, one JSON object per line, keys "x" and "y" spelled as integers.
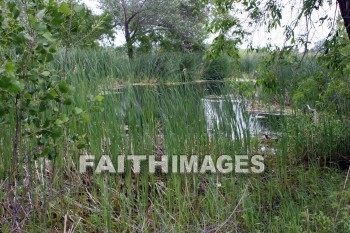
{"x": 218, "y": 69}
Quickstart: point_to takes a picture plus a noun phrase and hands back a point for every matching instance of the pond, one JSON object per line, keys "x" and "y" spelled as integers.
{"x": 184, "y": 110}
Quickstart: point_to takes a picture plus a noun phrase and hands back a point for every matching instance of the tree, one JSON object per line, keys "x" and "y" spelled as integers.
{"x": 30, "y": 93}
{"x": 141, "y": 18}
{"x": 344, "y": 6}
{"x": 36, "y": 102}
{"x": 228, "y": 26}
{"x": 84, "y": 29}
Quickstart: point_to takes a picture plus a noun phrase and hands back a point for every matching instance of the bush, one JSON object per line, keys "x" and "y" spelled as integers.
{"x": 218, "y": 69}
{"x": 190, "y": 67}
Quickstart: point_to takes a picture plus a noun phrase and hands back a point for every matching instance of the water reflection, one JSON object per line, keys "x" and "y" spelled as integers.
{"x": 226, "y": 116}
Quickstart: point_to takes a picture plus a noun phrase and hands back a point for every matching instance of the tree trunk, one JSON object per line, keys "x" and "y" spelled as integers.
{"x": 344, "y": 6}
{"x": 130, "y": 49}
{"x": 129, "y": 43}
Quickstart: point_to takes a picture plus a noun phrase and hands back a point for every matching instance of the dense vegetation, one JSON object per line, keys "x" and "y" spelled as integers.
{"x": 63, "y": 95}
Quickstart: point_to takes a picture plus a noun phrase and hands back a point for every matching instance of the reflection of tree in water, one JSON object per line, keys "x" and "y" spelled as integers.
{"x": 225, "y": 116}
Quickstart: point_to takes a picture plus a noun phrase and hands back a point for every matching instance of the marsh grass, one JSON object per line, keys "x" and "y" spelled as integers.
{"x": 110, "y": 64}
{"x": 298, "y": 192}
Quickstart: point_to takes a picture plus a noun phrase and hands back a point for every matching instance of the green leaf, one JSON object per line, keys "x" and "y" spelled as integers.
{"x": 58, "y": 122}
{"x": 39, "y": 26}
{"x": 16, "y": 12}
{"x": 40, "y": 14}
{"x": 52, "y": 94}
{"x": 85, "y": 117}
{"x": 46, "y": 73}
{"x": 52, "y": 49}
{"x": 10, "y": 67}
{"x": 64, "y": 118}
{"x": 77, "y": 111}
{"x": 16, "y": 86}
{"x": 65, "y": 9}
{"x": 48, "y": 36}
{"x": 63, "y": 87}
{"x": 99, "y": 98}
{"x": 48, "y": 57}
{"x": 57, "y": 19}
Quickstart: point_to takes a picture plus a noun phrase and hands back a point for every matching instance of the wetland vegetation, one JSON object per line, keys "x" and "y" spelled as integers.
{"x": 60, "y": 100}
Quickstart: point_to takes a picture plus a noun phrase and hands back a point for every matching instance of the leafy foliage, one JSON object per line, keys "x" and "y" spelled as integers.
{"x": 158, "y": 21}
{"x": 29, "y": 89}
{"x": 328, "y": 88}
{"x": 82, "y": 28}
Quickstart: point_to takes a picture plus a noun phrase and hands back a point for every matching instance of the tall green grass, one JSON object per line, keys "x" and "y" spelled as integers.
{"x": 299, "y": 191}
{"x": 110, "y": 64}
